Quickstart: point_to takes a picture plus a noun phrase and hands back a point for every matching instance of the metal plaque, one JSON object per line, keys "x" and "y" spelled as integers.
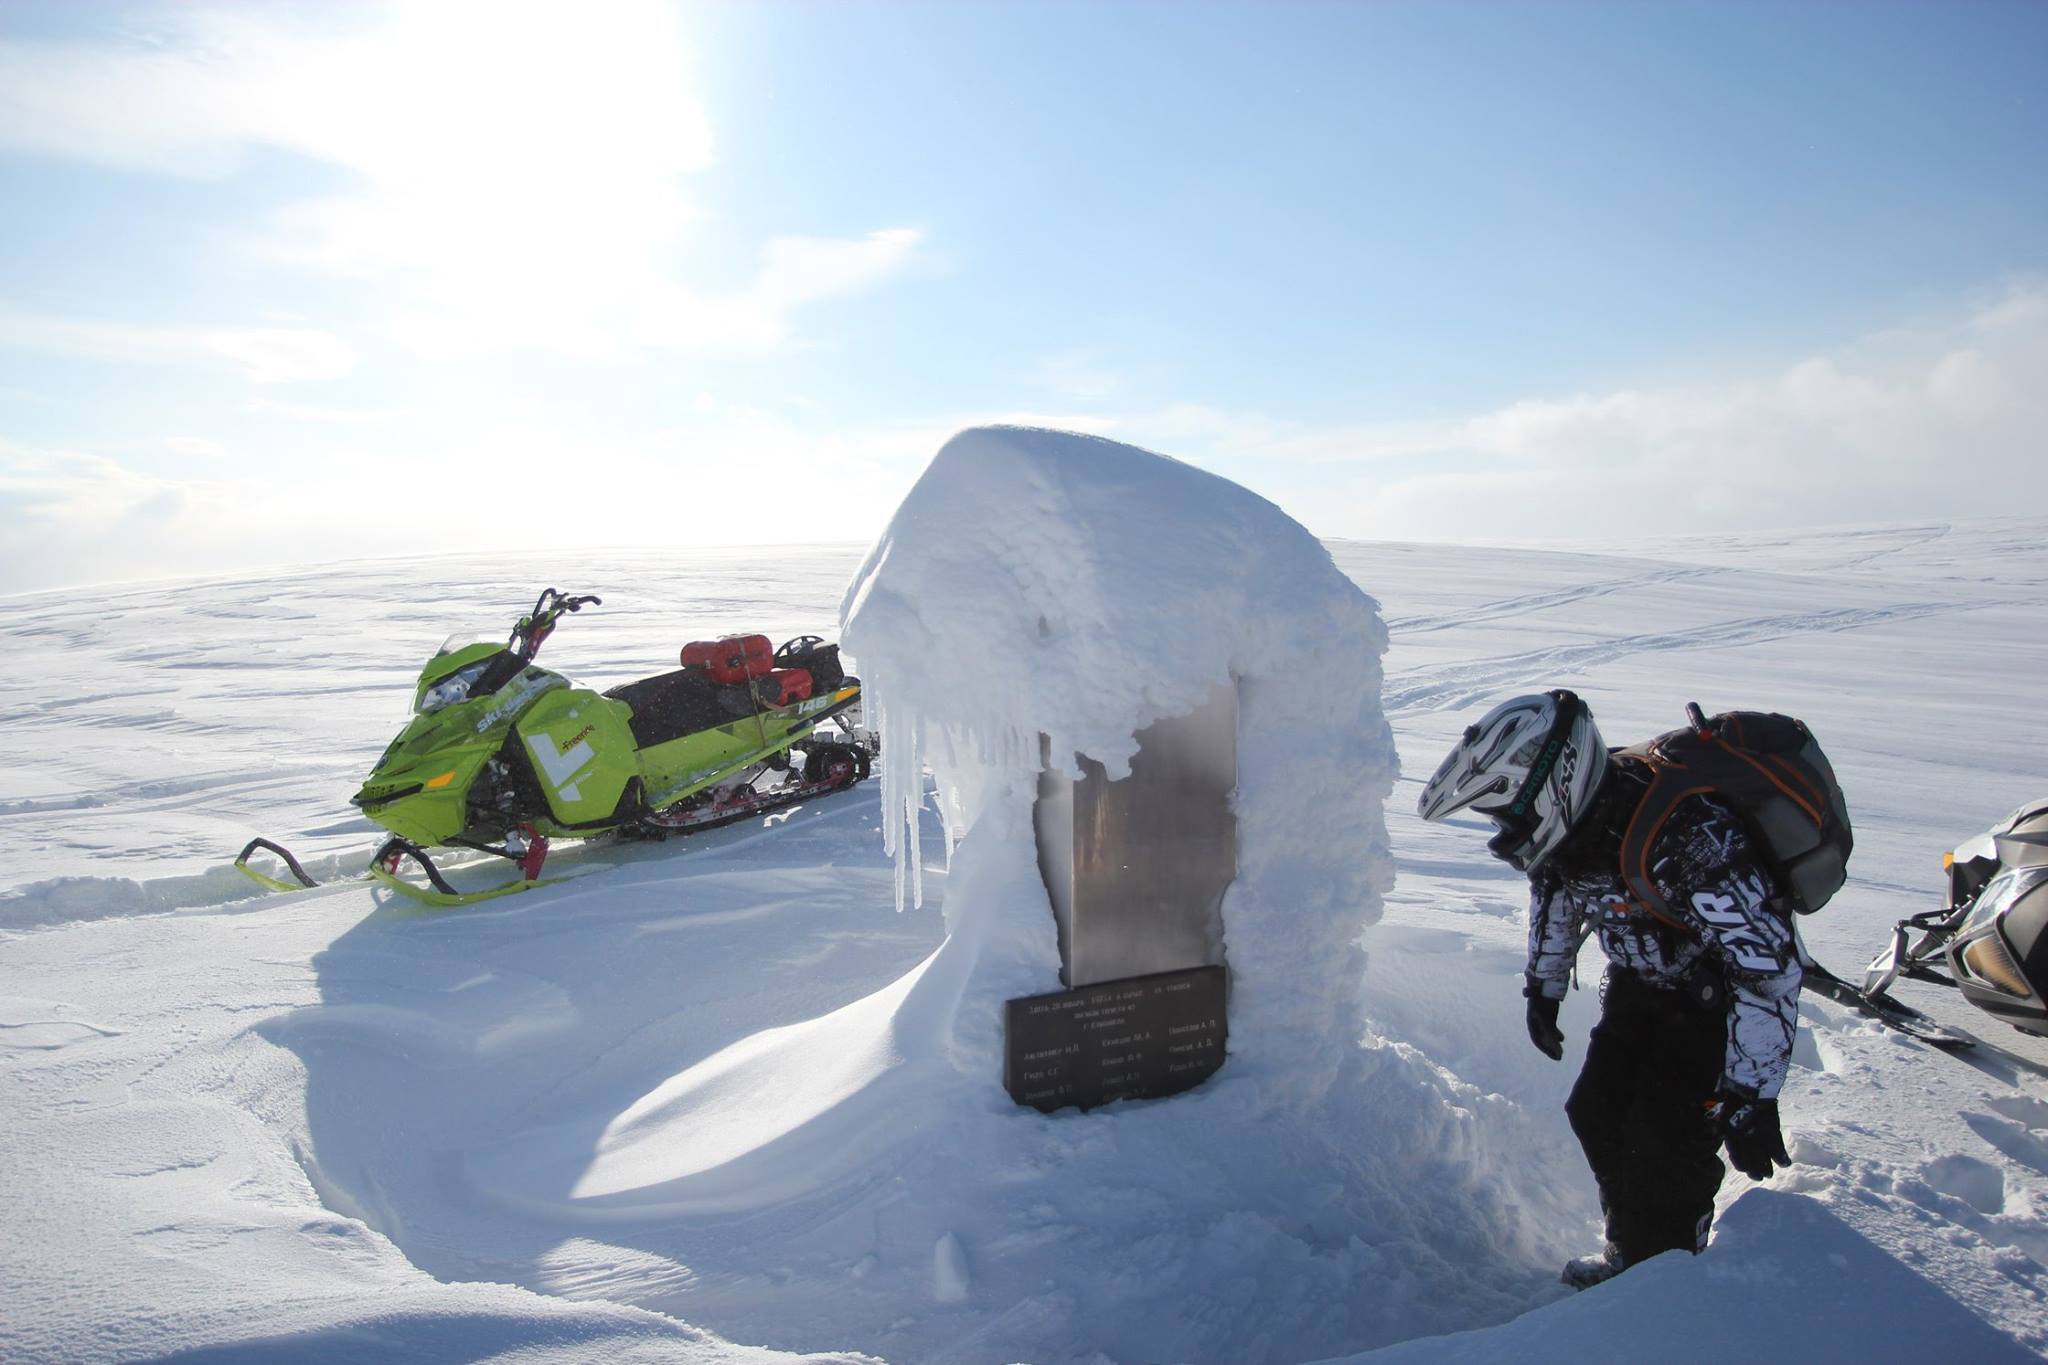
{"x": 1117, "y": 1040}
{"x": 1136, "y": 869}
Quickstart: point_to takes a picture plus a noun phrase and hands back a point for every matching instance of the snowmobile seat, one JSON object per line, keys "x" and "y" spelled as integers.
{"x": 671, "y": 705}
{"x": 733, "y": 661}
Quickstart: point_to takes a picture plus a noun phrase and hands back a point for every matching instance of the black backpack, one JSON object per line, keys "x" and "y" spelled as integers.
{"x": 1771, "y": 772}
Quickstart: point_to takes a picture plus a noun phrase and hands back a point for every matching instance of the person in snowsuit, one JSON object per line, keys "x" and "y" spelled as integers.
{"x": 1697, "y": 1012}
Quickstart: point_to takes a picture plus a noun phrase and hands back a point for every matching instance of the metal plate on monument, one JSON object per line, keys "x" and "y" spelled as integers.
{"x": 1138, "y": 1038}
{"x": 1137, "y": 868}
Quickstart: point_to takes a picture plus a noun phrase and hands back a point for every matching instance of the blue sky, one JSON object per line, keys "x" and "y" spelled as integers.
{"x": 281, "y": 283}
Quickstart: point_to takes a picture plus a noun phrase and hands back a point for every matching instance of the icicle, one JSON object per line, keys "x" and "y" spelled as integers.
{"x": 902, "y": 798}
{"x": 911, "y": 795}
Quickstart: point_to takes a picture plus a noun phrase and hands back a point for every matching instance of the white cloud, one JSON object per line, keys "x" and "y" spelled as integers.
{"x": 76, "y": 517}
{"x": 517, "y": 168}
{"x": 793, "y": 272}
{"x": 1943, "y": 419}
{"x": 197, "y": 447}
{"x": 441, "y": 98}
{"x": 799, "y": 270}
{"x": 54, "y": 101}
{"x": 1079, "y": 375}
{"x": 68, "y": 489}
{"x": 324, "y": 413}
{"x": 80, "y": 517}
{"x": 263, "y": 355}
{"x": 1914, "y": 421}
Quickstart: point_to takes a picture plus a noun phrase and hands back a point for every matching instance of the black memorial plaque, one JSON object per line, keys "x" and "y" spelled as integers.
{"x": 1138, "y": 1038}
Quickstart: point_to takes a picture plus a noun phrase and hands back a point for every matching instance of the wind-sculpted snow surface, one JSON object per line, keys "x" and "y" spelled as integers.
{"x": 717, "y": 1091}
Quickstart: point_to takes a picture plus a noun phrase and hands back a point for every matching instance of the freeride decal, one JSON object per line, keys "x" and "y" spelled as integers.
{"x": 561, "y": 766}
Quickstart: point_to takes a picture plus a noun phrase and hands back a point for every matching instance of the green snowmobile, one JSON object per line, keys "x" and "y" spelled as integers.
{"x": 501, "y": 755}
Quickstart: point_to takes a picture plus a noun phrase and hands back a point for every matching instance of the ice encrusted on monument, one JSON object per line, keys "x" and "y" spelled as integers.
{"x": 1041, "y": 582}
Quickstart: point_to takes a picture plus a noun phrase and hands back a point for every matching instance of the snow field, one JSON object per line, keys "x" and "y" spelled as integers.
{"x": 327, "y": 1127}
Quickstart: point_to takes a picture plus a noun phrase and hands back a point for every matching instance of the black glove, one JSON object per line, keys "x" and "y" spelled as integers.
{"x": 1542, "y": 1017}
{"x": 1750, "y": 1128}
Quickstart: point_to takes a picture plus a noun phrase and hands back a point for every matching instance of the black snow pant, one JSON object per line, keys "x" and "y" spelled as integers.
{"x": 1652, "y": 1063}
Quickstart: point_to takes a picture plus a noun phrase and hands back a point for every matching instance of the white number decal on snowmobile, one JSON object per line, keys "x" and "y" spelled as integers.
{"x": 561, "y": 765}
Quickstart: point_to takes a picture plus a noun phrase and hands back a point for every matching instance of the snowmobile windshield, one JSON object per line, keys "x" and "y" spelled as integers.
{"x": 453, "y": 688}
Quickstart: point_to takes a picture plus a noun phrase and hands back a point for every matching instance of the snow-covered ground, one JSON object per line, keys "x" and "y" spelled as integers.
{"x": 327, "y": 1126}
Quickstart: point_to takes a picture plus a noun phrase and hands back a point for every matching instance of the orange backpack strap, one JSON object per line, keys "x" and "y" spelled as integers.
{"x": 1670, "y": 784}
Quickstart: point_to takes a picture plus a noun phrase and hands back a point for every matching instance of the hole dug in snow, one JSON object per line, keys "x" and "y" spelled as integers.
{"x": 1811, "y": 1054}
{"x": 1977, "y": 1183}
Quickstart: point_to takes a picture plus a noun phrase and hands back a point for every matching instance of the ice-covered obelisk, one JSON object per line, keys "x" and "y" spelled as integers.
{"x": 1149, "y": 703}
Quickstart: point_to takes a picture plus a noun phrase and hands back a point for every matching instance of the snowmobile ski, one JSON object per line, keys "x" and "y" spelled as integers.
{"x": 441, "y": 892}
{"x": 264, "y": 879}
{"x": 1891, "y": 1013}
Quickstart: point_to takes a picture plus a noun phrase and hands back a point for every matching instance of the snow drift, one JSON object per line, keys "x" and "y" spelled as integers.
{"x": 320, "y": 1126}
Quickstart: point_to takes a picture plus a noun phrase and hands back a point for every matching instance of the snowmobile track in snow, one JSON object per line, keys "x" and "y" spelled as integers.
{"x": 1459, "y": 686}
{"x": 1544, "y": 601}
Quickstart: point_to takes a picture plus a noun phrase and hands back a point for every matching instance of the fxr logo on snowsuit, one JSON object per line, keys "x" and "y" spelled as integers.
{"x": 1735, "y": 932}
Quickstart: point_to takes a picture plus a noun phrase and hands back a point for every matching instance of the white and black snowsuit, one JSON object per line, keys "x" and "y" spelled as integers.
{"x": 1684, "y": 1010}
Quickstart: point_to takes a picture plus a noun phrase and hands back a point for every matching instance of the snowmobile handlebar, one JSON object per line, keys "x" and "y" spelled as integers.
{"x": 537, "y": 625}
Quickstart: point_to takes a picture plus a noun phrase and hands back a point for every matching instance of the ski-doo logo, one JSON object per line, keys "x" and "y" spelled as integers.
{"x": 528, "y": 688}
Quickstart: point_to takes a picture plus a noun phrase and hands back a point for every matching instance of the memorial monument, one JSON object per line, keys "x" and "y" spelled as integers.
{"x": 1106, "y": 659}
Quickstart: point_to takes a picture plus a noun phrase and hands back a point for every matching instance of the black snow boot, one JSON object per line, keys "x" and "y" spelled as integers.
{"x": 1583, "y": 1272}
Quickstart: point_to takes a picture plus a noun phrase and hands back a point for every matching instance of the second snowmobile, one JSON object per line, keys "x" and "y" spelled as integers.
{"x": 1989, "y": 939}
{"x": 502, "y": 755}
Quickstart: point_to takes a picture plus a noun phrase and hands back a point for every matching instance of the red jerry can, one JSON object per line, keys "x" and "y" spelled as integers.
{"x": 732, "y": 660}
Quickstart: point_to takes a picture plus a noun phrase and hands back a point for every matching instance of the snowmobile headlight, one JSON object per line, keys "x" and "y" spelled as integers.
{"x": 453, "y": 688}
{"x": 1988, "y": 961}
{"x": 1981, "y": 948}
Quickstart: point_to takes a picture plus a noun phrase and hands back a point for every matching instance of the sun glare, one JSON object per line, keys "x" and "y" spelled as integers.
{"x": 520, "y": 166}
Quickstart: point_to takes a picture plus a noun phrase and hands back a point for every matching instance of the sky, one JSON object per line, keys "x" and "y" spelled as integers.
{"x": 286, "y": 283}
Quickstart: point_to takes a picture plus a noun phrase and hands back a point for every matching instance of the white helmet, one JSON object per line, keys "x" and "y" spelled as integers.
{"x": 1531, "y": 764}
